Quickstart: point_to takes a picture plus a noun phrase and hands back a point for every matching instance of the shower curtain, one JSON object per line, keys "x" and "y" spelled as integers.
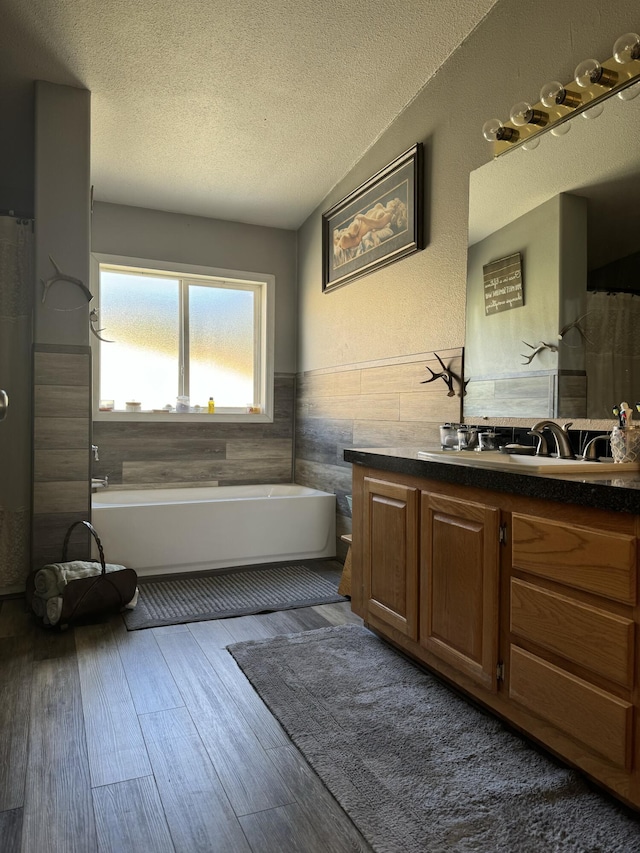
{"x": 16, "y": 322}
{"x": 612, "y": 351}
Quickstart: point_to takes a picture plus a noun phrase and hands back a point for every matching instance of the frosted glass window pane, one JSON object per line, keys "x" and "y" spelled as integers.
{"x": 221, "y": 345}
{"x": 141, "y": 314}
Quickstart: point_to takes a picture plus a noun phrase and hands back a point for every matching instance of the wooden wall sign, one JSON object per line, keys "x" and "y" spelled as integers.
{"x": 503, "y": 285}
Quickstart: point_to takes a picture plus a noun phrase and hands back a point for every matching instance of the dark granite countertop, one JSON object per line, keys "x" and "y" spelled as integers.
{"x": 610, "y": 491}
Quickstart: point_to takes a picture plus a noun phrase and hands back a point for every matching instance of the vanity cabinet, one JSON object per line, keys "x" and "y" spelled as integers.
{"x": 429, "y": 570}
{"x": 526, "y": 604}
{"x": 459, "y": 574}
{"x": 572, "y": 632}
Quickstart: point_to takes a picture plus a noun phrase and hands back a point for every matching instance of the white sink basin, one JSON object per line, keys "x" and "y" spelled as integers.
{"x": 497, "y": 461}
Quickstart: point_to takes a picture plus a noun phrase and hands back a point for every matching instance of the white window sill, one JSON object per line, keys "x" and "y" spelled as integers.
{"x": 222, "y": 416}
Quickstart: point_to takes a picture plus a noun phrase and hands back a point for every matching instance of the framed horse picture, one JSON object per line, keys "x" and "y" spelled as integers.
{"x": 378, "y": 223}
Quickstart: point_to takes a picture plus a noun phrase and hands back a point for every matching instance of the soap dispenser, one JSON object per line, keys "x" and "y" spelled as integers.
{"x": 212, "y": 405}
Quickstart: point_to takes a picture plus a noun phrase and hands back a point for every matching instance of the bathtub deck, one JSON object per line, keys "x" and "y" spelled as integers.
{"x": 154, "y": 741}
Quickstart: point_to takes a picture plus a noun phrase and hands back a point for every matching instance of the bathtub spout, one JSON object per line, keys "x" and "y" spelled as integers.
{"x": 99, "y": 483}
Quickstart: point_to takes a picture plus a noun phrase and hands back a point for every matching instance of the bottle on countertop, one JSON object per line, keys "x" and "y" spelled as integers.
{"x": 212, "y": 405}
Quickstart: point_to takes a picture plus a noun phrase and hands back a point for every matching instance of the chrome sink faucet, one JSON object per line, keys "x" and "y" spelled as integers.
{"x": 561, "y": 435}
{"x": 590, "y": 453}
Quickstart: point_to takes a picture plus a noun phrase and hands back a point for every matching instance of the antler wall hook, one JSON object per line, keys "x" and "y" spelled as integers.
{"x": 575, "y": 325}
{"x": 448, "y": 377}
{"x": 60, "y": 276}
{"x": 93, "y": 319}
{"x": 541, "y": 346}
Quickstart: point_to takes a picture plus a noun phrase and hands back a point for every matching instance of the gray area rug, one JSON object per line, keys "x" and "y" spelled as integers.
{"x": 415, "y": 766}
{"x": 231, "y": 593}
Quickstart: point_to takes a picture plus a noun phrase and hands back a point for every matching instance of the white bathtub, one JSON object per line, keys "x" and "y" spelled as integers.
{"x": 161, "y": 531}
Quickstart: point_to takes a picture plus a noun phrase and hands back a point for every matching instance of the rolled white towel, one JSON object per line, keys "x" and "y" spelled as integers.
{"x": 39, "y": 606}
{"x": 132, "y": 604}
{"x": 54, "y": 609}
{"x": 76, "y": 569}
{"x": 46, "y": 582}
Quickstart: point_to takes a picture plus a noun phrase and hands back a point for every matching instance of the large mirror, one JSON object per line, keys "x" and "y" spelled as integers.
{"x": 564, "y": 220}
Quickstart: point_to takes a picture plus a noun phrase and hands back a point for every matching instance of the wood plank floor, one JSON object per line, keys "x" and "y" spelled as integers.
{"x": 136, "y": 742}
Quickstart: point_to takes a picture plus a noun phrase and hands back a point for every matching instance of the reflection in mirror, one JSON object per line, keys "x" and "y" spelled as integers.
{"x": 571, "y": 210}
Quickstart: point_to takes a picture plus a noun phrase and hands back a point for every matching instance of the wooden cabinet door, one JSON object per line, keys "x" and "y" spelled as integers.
{"x": 459, "y": 585}
{"x": 390, "y": 554}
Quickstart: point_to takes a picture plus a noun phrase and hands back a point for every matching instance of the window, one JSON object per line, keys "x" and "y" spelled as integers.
{"x": 173, "y": 338}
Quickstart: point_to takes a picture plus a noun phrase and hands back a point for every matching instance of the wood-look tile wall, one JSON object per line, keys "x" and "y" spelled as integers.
{"x": 144, "y": 455}
{"x": 381, "y": 404}
{"x": 553, "y": 394}
{"x": 61, "y": 445}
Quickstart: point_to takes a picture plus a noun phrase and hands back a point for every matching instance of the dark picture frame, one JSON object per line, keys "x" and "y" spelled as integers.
{"x": 377, "y": 224}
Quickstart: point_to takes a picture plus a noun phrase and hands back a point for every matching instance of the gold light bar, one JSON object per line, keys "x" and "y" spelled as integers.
{"x": 617, "y": 74}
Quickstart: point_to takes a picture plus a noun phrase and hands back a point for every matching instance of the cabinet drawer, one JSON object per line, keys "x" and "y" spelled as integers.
{"x": 595, "y": 718}
{"x": 592, "y": 560}
{"x": 589, "y": 636}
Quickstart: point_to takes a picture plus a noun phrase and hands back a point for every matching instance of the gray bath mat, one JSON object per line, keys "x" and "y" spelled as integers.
{"x": 416, "y": 767}
{"x": 236, "y": 592}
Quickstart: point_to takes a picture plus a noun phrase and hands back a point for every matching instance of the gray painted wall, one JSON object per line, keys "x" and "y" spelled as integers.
{"x": 419, "y": 302}
{"x": 147, "y": 454}
{"x": 62, "y": 363}
{"x": 62, "y": 166}
{"x": 140, "y": 233}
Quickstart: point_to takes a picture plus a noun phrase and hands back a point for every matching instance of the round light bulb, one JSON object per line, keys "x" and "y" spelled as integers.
{"x": 588, "y": 72}
{"x": 627, "y": 48}
{"x": 552, "y": 94}
{"x": 630, "y": 92}
{"x": 561, "y": 129}
{"x": 594, "y": 111}
{"x": 494, "y": 131}
{"x": 521, "y": 113}
{"x": 491, "y": 128}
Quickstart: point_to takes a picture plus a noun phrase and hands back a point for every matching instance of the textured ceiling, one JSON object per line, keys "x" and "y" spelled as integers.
{"x": 246, "y": 111}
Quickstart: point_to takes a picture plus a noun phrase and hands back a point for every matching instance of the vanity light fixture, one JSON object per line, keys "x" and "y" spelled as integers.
{"x": 554, "y": 94}
{"x": 630, "y": 92}
{"x": 590, "y": 72}
{"x": 627, "y": 48}
{"x": 561, "y": 129}
{"x": 530, "y": 144}
{"x": 523, "y": 113}
{"x": 593, "y": 112}
{"x": 592, "y": 83}
{"x": 494, "y": 131}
